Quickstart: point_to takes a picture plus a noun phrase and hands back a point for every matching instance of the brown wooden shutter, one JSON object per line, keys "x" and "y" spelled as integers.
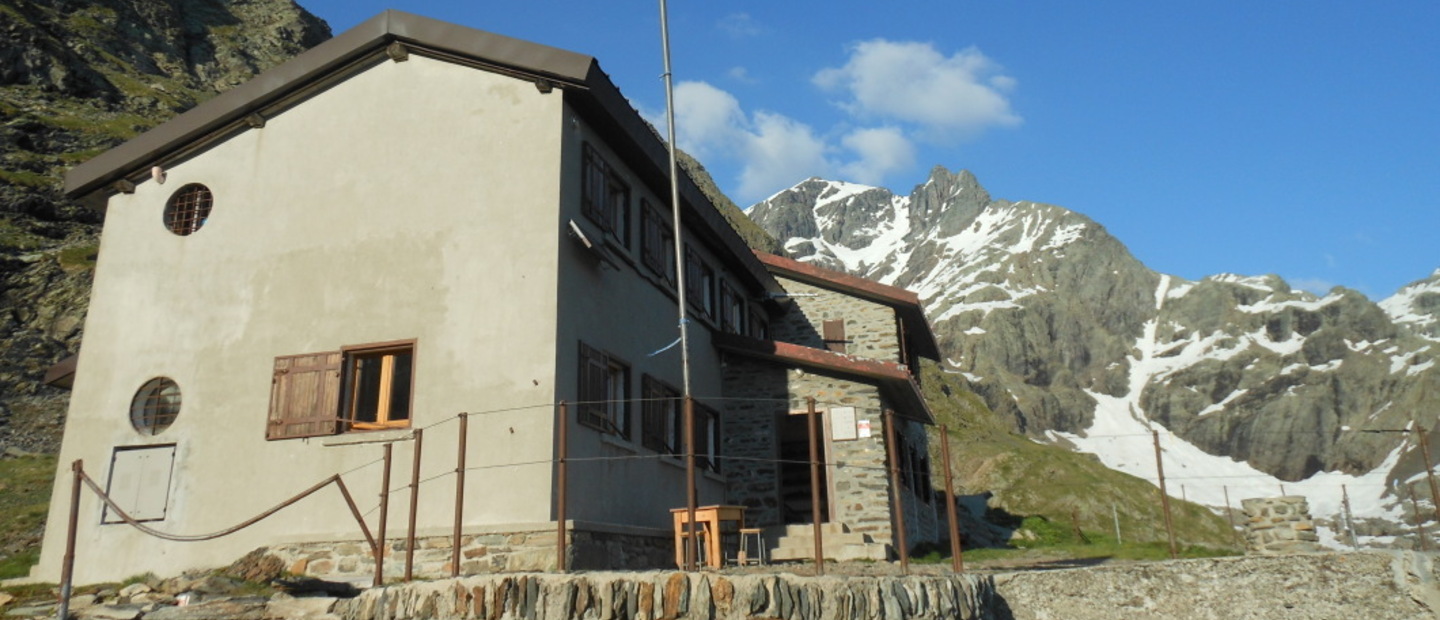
{"x": 834, "y": 335}
{"x": 305, "y": 396}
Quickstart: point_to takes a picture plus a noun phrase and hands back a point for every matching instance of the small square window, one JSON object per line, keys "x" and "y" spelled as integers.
{"x": 377, "y": 387}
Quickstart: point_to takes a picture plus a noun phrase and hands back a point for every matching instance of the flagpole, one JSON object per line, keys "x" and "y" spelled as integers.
{"x": 675, "y": 205}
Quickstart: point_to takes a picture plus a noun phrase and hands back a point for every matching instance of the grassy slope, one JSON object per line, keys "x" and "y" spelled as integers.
{"x": 24, "y": 497}
{"x": 1029, "y": 479}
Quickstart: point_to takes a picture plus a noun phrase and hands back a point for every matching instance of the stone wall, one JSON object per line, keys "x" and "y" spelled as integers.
{"x": 1276, "y": 525}
{"x": 1370, "y": 585}
{"x": 870, "y": 327}
{"x": 481, "y": 553}
{"x": 759, "y": 393}
{"x": 701, "y": 596}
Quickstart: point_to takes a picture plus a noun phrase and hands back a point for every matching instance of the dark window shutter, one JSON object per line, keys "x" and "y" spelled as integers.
{"x": 593, "y": 387}
{"x": 834, "y": 335}
{"x": 305, "y": 396}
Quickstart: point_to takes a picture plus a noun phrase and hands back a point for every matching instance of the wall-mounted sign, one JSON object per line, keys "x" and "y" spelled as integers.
{"x": 842, "y": 424}
{"x": 863, "y": 426}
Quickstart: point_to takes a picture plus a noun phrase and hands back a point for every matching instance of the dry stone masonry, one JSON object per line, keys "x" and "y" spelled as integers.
{"x": 1277, "y": 525}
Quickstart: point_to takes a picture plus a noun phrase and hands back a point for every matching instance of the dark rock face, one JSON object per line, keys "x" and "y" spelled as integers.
{"x": 75, "y": 79}
{"x": 1046, "y": 313}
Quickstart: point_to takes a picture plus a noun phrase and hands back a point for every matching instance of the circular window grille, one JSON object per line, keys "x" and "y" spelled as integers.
{"x": 188, "y": 209}
{"x": 155, "y": 406}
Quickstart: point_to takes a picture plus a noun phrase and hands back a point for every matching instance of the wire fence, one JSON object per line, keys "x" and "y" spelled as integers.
{"x": 1330, "y": 497}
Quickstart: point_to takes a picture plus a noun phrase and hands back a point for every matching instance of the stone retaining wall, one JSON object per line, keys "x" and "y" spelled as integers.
{"x": 700, "y": 596}
{"x": 480, "y": 553}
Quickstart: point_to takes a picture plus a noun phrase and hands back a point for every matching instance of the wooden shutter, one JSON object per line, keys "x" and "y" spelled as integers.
{"x": 594, "y": 387}
{"x": 834, "y": 335}
{"x": 305, "y": 396}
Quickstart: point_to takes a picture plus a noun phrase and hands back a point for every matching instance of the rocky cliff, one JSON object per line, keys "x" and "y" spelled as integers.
{"x": 77, "y": 77}
{"x": 1073, "y": 340}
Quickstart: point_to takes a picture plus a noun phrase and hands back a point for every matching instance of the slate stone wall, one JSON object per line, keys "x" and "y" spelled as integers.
{"x": 870, "y": 327}
{"x": 1276, "y": 525}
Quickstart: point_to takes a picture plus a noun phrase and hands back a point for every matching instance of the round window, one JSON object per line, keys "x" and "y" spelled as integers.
{"x": 188, "y": 209}
{"x": 155, "y": 406}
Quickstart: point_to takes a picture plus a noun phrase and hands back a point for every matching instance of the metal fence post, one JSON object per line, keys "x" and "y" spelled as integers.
{"x": 1165, "y": 497}
{"x": 811, "y": 426}
{"x": 562, "y": 480}
{"x": 897, "y": 498}
{"x": 690, "y": 501}
{"x": 459, "y": 496}
{"x": 957, "y": 561}
{"x": 384, "y": 510}
{"x": 414, "y": 506}
{"x": 67, "y": 568}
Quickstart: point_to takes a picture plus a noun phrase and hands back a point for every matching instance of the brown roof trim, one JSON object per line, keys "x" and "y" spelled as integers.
{"x": 905, "y": 301}
{"x": 901, "y": 384}
{"x": 589, "y": 89}
{"x": 844, "y": 282}
{"x": 134, "y": 158}
{"x": 62, "y": 374}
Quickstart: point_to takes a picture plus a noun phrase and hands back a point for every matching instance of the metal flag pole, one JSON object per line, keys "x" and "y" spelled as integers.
{"x": 680, "y": 284}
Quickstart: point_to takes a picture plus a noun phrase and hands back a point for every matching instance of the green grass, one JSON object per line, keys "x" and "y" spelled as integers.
{"x": 79, "y": 257}
{"x": 24, "y": 500}
{"x": 1057, "y": 548}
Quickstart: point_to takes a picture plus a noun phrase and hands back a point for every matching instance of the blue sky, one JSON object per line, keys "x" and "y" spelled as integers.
{"x": 1288, "y": 137}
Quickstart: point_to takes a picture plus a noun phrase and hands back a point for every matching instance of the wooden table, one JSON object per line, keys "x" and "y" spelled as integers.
{"x": 708, "y": 521}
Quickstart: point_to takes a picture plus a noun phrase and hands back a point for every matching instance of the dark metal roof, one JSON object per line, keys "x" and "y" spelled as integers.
{"x": 586, "y": 87}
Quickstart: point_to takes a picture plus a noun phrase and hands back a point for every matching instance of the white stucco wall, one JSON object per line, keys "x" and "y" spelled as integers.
{"x": 414, "y": 200}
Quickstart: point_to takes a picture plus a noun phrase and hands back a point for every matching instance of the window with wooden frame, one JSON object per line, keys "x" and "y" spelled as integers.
{"x": 732, "y": 309}
{"x": 363, "y": 387}
{"x": 605, "y": 197}
{"x": 377, "y": 381}
{"x": 700, "y": 283}
{"x": 759, "y": 327}
{"x": 660, "y": 416}
{"x": 604, "y": 401}
{"x": 707, "y": 438}
{"x": 657, "y": 242}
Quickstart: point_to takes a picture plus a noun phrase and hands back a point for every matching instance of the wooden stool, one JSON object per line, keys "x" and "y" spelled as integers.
{"x": 744, "y": 557}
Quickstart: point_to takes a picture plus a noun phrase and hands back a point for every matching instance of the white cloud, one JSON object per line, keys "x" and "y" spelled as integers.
{"x": 881, "y": 151}
{"x": 708, "y": 120}
{"x": 740, "y": 25}
{"x": 779, "y": 152}
{"x": 741, "y": 75}
{"x": 949, "y": 97}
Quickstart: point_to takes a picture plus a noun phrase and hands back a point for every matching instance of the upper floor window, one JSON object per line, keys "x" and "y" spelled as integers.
{"x": 660, "y": 416}
{"x": 605, "y": 197}
{"x": 657, "y": 242}
{"x": 700, "y": 284}
{"x": 604, "y": 401}
{"x": 188, "y": 209}
{"x": 732, "y": 309}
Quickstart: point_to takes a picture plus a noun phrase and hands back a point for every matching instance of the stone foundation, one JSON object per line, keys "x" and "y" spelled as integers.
{"x": 1279, "y": 525}
{"x": 480, "y": 553}
{"x": 651, "y": 596}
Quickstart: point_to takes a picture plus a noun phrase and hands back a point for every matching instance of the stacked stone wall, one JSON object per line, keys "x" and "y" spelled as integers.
{"x": 1276, "y": 525}
{"x": 652, "y": 596}
{"x": 480, "y": 553}
{"x": 870, "y": 328}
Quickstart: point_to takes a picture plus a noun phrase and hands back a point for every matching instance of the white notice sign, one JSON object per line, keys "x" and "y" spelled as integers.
{"x": 842, "y": 424}
{"x": 863, "y": 426}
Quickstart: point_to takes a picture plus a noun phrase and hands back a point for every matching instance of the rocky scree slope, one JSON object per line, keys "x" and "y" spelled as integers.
{"x": 77, "y": 78}
{"x": 1068, "y": 336}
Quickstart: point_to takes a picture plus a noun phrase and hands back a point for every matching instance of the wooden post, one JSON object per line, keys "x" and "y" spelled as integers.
{"x": 1230, "y": 514}
{"x": 414, "y": 507}
{"x": 897, "y": 499}
{"x": 811, "y": 426}
{"x": 67, "y": 566}
{"x": 459, "y": 496}
{"x": 957, "y": 561}
{"x": 1165, "y": 497}
{"x": 1415, "y": 510}
{"x": 384, "y": 512}
{"x": 690, "y": 499}
{"x": 562, "y": 482}
{"x": 1429, "y": 470}
{"x": 1349, "y": 520}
